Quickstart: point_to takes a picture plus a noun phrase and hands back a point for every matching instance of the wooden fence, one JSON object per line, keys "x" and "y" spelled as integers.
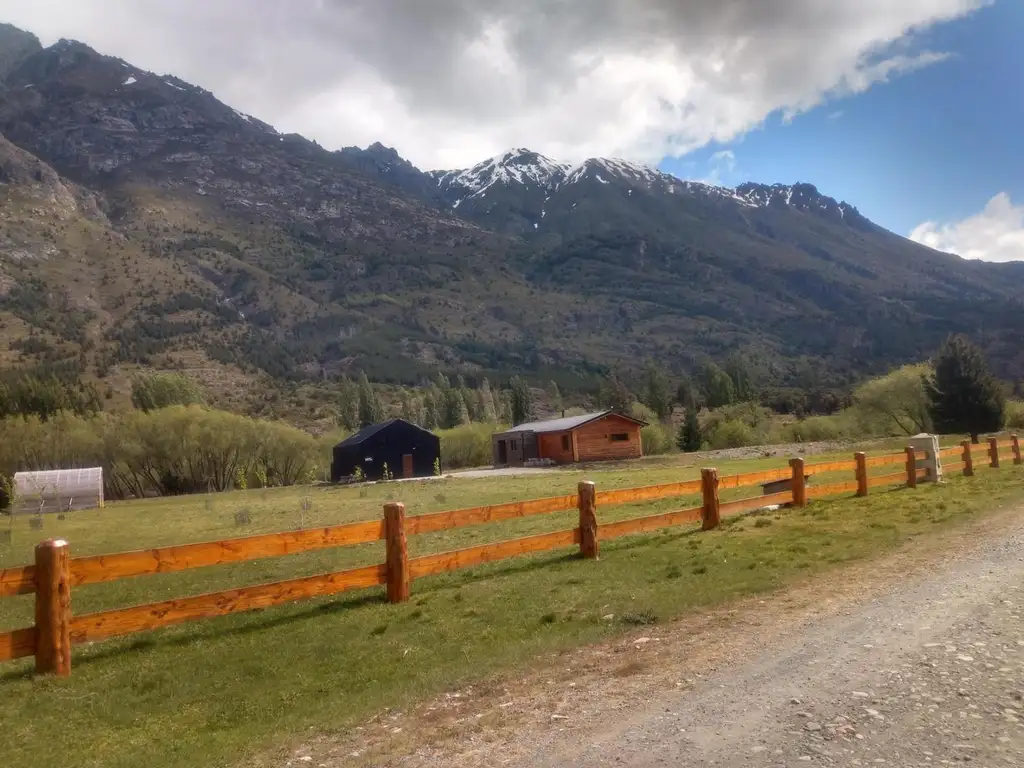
{"x": 55, "y": 572}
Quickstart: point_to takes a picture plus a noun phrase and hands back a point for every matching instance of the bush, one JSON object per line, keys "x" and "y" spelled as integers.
{"x": 1014, "y": 414}
{"x": 816, "y": 428}
{"x": 656, "y": 439}
{"x": 467, "y": 446}
{"x": 731, "y": 434}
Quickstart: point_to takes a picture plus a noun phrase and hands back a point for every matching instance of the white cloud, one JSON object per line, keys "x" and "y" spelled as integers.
{"x": 995, "y": 234}
{"x": 448, "y": 82}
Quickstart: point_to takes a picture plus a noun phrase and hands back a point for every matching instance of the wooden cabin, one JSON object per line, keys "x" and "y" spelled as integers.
{"x": 394, "y": 449}
{"x": 590, "y": 437}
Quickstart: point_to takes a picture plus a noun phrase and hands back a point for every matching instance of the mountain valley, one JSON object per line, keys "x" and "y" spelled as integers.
{"x": 143, "y": 223}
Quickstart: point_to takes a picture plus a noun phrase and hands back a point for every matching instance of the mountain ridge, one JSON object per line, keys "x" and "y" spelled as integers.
{"x": 265, "y": 257}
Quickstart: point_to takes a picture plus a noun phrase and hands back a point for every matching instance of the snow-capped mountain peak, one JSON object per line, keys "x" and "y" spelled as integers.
{"x": 520, "y": 183}
{"x": 517, "y": 166}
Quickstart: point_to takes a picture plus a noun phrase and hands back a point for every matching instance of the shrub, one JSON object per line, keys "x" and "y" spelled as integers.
{"x": 656, "y": 439}
{"x": 816, "y": 428}
{"x": 731, "y": 434}
{"x": 1015, "y": 414}
{"x": 467, "y": 446}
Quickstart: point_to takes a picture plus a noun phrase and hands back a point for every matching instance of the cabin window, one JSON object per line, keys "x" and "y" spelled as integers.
{"x": 620, "y": 437}
{"x": 565, "y": 442}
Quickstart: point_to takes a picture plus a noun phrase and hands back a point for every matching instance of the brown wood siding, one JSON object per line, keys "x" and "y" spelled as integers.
{"x": 594, "y": 441}
{"x": 549, "y": 446}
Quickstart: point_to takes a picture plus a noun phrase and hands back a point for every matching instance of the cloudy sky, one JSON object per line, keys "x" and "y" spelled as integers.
{"x": 890, "y": 105}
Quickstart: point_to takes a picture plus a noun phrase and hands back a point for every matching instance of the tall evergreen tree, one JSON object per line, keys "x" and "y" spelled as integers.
{"x": 487, "y": 410}
{"x": 742, "y": 382}
{"x": 430, "y": 420}
{"x": 657, "y": 391}
{"x": 348, "y": 404}
{"x": 555, "y": 396}
{"x": 686, "y": 393}
{"x": 689, "y": 438}
{"x": 963, "y": 397}
{"x": 615, "y": 396}
{"x": 410, "y": 407}
{"x": 520, "y": 402}
{"x": 370, "y": 410}
{"x": 717, "y": 386}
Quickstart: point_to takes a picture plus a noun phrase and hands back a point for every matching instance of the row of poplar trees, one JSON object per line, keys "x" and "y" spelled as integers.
{"x": 443, "y": 404}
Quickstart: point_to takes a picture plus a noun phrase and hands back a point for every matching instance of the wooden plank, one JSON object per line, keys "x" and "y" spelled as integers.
{"x": 835, "y": 489}
{"x": 831, "y": 466}
{"x": 754, "y": 478}
{"x": 17, "y": 644}
{"x": 891, "y": 479}
{"x": 19, "y": 580}
{"x": 99, "y": 568}
{"x": 138, "y": 618}
{"x": 648, "y": 493}
{"x": 755, "y": 502}
{"x": 486, "y": 553}
{"x": 441, "y": 521}
{"x": 882, "y": 461}
{"x": 649, "y": 523}
{"x": 953, "y": 450}
{"x": 952, "y": 466}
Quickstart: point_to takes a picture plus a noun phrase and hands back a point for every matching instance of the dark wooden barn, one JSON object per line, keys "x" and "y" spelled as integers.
{"x": 405, "y": 449}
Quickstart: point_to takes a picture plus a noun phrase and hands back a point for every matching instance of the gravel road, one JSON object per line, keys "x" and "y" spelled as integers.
{"x": 931, "y": 673}
{"x": 915, "y": 659}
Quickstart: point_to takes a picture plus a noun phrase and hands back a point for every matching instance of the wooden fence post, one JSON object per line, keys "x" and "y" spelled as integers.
{"x": 862, "y": 472}
{"x": 799, "y": 483}
{"x": 53, "y": 608}
{"x": 993, "y": 452}
{"x": 1016, "y": 449}
{"x": 968, "y": 459}
{"x": 911, "y": 467}
{"x": 709, "y": 514}
{"x": 397, "y": 552}
{"x": 587, "y": 502}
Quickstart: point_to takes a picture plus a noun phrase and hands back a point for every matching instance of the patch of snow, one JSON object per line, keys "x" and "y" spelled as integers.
{"x": 240, "y": 114}
{"x": 178, "y": 87}
{"x": 518, "y": 166}
{"x": 603, "y": 181}
{"x": 130, "y": 81}
{"x": 535, "y": 225}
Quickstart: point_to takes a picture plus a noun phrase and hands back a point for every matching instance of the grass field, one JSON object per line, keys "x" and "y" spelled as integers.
{"x": 215, "y": 692}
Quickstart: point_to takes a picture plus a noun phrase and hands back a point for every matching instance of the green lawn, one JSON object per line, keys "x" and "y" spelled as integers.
{"x": 213, "y": 692}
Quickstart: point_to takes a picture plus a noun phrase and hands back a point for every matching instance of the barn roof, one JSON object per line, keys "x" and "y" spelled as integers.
{"x": 567, "y": 423}
{"x": 367, "y": 432}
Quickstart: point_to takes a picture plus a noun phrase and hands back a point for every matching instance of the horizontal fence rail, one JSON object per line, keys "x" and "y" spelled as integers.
{"x": 55, "y": 573}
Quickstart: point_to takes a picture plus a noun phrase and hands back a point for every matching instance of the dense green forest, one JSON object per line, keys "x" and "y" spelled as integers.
{"x": 171, "y": 443}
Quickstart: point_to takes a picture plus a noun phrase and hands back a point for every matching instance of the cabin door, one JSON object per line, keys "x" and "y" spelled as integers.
{"x": 407, "y": 470}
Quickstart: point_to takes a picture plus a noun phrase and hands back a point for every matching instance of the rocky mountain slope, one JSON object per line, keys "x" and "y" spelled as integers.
{"x": 144, "y": 222}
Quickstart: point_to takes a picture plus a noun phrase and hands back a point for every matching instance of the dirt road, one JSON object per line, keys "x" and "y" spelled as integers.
{"x": 913, "y": 660}
{"x": 932, "y": 672}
